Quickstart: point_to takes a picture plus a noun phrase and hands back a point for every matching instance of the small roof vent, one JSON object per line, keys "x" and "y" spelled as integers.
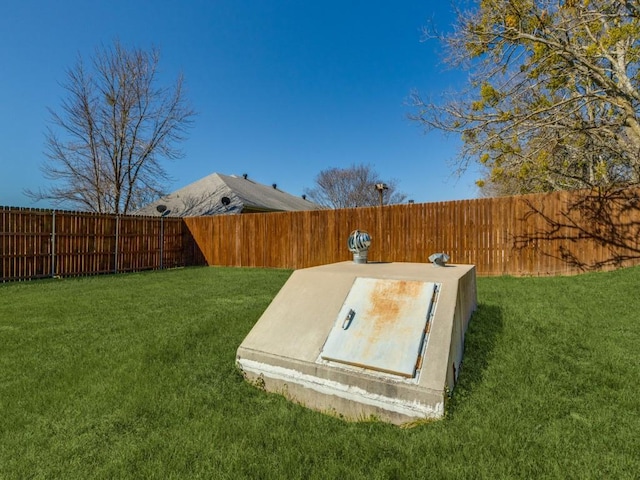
{"x": 439, "y": 259}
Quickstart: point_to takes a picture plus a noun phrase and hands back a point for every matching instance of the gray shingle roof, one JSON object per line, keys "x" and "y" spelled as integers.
{"x": 205, "y": 197}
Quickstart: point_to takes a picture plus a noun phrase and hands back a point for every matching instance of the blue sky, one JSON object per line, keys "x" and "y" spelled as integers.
{"x": 283, "y": 89}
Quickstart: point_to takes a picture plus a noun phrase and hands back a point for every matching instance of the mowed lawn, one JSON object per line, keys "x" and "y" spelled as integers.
{"x": 134, "y": 376}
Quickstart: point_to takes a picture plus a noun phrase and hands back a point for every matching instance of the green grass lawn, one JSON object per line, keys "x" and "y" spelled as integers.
{"x": 133, "y": 376}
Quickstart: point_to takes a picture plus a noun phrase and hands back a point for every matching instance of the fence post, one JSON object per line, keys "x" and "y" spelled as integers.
{"x": 53, "y": 243}
{"x": 161, "y": 240}
{"x": 116, "y": 251}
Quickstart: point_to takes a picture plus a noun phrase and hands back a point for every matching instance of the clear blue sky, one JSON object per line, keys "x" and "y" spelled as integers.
{"x": 283, "y": 88}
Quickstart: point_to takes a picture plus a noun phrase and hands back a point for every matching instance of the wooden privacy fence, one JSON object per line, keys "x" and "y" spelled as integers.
{"x": 49, "y": 243}
{"x": 545, "y": 234}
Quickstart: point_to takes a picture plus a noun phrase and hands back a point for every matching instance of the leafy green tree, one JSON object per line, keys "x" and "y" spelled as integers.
{"x": 554, "y": 93}
{"x": 106, "y": 143}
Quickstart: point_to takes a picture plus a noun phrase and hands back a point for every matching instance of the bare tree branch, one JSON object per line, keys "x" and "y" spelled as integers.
{"x": 105, "y": 147}
{"x": 352, "y": 187}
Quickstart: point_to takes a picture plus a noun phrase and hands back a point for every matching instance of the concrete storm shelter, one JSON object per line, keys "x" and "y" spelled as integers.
{"x": 364, "y": 339}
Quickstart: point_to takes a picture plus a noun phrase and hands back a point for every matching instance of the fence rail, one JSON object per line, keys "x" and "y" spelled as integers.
{"x": 51, "y": 243}
{"x": 547, "y": 234}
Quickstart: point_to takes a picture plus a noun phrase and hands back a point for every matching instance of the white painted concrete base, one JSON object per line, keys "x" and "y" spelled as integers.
{"x": 412, "y": 409}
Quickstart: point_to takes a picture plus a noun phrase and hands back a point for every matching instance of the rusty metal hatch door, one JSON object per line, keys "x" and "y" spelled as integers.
{"x": 382, "y": 325}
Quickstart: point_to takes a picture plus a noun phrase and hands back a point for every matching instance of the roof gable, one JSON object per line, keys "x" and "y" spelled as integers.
{"x": 218, "y": 194}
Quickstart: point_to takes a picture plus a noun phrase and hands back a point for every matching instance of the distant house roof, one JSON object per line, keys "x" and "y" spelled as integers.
{"x": 218, "y": 194}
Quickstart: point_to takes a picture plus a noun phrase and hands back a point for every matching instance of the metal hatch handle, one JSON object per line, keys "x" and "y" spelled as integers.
{"x": 347, "y": 320}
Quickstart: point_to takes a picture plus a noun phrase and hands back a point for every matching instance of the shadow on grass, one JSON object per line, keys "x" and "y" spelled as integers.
{"x": 480, "y": 340}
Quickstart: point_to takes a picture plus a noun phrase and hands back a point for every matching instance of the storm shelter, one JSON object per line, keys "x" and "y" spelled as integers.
{"x": 361, "y": 340}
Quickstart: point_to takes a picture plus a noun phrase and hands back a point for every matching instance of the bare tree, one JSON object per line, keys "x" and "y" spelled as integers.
{"x": 350, "y": 187}
{"x": 105, "y": 146}
{"x": 554, "y": 94}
